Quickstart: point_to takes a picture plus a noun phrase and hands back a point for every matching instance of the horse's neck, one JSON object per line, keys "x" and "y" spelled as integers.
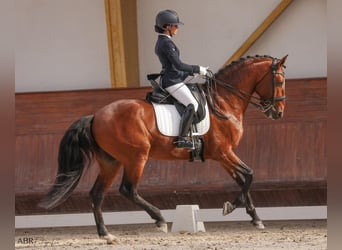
{"x": 243, "y": 80}
{"x": 230, "y": 104}
{"x": 232, "y": 101}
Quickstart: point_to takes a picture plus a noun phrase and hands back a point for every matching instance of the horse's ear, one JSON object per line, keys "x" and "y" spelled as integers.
{"x": 282, "y": 61}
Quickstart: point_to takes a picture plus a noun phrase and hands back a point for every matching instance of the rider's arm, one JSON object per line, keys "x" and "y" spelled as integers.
{"x": 173, "y": 56}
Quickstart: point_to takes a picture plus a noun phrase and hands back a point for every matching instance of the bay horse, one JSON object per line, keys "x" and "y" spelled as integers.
{"x": 124, "y": 135}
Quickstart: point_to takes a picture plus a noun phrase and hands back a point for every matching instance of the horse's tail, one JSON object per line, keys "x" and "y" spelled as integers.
{"x": 76, "y": 151}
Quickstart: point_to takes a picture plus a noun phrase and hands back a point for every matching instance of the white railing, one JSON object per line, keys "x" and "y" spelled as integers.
{"x": 200, "y": 215}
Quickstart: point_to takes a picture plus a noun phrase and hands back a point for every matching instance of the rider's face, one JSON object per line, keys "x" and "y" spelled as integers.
{"x": 174, "y": 29}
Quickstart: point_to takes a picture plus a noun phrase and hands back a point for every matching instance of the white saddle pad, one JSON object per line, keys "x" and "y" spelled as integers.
{"x": 168, "y": 120}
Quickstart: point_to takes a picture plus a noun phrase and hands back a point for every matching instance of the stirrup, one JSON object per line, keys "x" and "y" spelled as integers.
{"x": 184, "y": 143}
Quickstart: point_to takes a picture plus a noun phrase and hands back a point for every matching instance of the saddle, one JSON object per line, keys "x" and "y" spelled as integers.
{"x": 160, "y": 96}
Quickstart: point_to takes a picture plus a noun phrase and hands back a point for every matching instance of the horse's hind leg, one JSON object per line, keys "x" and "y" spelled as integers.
{"x": 128, "y": 189}
{"x": 109, "y": 167}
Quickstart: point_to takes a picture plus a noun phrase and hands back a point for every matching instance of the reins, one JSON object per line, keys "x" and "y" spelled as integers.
{"x": 260, "y": 104}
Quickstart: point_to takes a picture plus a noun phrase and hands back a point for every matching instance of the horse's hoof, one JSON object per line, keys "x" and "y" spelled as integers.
{"x": 162, "y": 227}
{"x": 111, "y": 239}
{"x": 258, "y": 224}
{"x": 227, "y": 208}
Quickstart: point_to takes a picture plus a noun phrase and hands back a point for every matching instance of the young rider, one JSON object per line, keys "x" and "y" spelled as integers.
{"x": 174, "y": 71}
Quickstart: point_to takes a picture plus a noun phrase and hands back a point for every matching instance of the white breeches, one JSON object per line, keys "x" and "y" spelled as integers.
{"x": 183, "y": 94}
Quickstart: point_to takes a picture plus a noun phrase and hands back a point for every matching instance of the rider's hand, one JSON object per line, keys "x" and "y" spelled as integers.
{"x": 203, "y": 70}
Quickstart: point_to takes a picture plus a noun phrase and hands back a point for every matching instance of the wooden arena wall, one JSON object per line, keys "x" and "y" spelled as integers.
{"x": 288, "y": 156}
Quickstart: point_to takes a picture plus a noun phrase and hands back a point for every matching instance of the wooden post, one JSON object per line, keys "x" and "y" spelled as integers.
{"x": 115, "y": 43}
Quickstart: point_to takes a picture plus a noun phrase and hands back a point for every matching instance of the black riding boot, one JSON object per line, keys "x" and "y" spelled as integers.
{"x": 185, "y": 123}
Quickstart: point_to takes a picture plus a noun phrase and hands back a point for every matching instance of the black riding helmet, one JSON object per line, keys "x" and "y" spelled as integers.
{"x": 166, "y": 17}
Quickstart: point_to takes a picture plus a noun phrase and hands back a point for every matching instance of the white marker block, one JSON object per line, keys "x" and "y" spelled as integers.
{"x": 185, "y": 220}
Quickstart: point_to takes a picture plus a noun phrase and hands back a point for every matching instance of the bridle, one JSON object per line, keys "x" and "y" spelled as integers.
{"x": 269, "y": 103}
{"x": 263, "y": 105}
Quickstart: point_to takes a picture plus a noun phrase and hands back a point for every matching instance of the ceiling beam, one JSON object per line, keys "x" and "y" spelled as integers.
{"x": 259, "y": 31}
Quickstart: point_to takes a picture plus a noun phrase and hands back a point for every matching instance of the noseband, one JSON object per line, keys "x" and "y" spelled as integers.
{"x": 262, "y": 105}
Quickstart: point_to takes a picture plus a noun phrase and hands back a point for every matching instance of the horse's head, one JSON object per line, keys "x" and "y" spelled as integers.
{"x": 261, "y": 74}
{"x": 271, "y": 90}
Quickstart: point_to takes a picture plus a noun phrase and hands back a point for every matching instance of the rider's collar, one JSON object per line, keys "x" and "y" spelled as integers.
{"x": 165, "y": 35}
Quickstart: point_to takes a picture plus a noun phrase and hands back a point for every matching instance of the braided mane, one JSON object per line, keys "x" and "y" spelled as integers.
{"x": 237, "y": 63}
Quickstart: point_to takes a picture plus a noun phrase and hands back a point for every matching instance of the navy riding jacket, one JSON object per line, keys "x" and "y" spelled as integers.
{"x": 174, "y": 71}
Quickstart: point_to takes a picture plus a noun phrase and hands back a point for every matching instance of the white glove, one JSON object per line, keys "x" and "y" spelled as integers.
{"x": 203, "y": 70}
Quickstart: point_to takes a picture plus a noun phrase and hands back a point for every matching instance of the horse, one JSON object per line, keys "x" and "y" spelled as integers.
{"x": 124, "y": 134}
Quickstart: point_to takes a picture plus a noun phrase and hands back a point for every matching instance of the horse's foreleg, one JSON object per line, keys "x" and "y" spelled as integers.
{"x": 101, "y": 186}
{"x": 243, "y": 175}
{"x": 252, "y": 212}
{"x": 244, "y": 179}
{"x": 129, "y": 190}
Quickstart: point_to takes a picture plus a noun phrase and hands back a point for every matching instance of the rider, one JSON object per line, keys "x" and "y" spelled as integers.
{"x": 174, "y": 71}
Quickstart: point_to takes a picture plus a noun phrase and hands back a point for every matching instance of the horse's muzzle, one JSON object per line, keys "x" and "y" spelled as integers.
{"x": 273, "y": 114}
